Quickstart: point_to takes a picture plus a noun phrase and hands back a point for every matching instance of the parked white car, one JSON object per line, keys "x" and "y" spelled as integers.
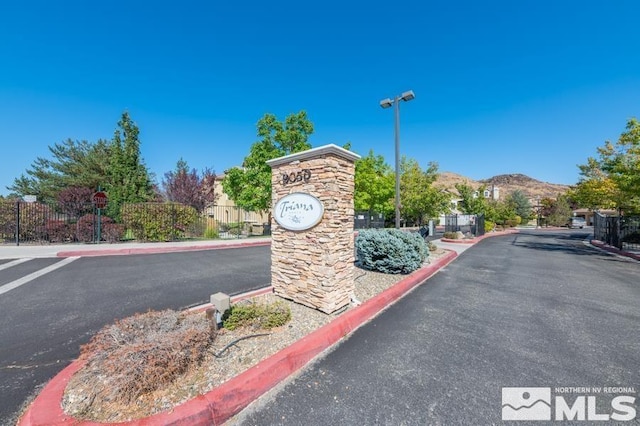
{"x": 576, "y": 222}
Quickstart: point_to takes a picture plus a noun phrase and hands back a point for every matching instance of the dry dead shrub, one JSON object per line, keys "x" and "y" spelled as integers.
{"x": 140, "y": 354}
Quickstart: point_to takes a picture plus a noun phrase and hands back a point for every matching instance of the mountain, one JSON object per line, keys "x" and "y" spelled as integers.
{"x": 507, "y": 184}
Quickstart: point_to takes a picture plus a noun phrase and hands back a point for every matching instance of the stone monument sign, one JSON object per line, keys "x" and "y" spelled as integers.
{"x": 312, "y": 246}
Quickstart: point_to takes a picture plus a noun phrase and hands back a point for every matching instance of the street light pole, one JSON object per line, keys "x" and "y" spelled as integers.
{"x": 386, "y": 103}
{"x": 397, "y": 144}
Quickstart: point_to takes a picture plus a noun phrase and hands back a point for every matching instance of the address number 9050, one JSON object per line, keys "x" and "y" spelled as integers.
{"x": 300, "y": 176}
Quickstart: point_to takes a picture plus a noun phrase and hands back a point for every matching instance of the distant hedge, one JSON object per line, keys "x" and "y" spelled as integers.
{"x": 390, "y": 250}
{"x": 158, "y": 221}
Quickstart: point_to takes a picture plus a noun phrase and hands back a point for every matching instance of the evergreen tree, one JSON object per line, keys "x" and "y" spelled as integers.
{"x": 128, "y": 178}
{"x": 521, "y": 205}
{"x": 73, "y": 164}
{"x": 556, "y": 212}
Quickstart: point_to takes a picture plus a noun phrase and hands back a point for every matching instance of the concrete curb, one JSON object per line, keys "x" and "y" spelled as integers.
{"x": 228, "y": 399}
{"x": 480, "y": 238}
{"x": 157, "y": 250}
{"x": 614, "y": 250}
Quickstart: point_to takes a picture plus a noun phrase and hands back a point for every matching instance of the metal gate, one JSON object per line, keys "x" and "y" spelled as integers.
{"x": 465, "y": 223}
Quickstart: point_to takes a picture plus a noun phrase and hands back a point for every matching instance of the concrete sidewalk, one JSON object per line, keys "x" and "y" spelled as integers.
{"x": 106, "y": 249}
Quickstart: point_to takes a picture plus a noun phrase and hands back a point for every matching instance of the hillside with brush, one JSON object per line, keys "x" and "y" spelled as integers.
{"x": 507, "y": 184}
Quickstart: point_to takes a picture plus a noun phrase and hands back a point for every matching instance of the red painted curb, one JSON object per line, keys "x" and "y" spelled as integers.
{"x": 614, "y": 250}
{"x": 228, "y": 399}
{"x": 158, "y": 250}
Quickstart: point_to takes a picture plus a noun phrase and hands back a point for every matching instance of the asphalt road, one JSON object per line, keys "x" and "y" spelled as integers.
{"x": 536, "y": 309}
{"x": 44, "y": 322}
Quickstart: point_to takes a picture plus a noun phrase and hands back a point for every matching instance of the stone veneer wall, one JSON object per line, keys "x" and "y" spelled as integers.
{"x": 315, "y": 267}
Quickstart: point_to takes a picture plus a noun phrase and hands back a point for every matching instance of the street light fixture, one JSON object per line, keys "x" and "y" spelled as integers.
{"x": 386, "y": 103}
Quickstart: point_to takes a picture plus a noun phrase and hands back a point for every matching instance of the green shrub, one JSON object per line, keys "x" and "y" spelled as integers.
{"x": 128, "y": 235}
{"x": 211, "y": 233}
{"x": 390, "y": 250}
{"x": 158, "y": 221}
{"x": 451, "y": 235}
{"x": 510, "y": 223}
{"x": 489, "y": 226}
{"x": 257, "y": 315}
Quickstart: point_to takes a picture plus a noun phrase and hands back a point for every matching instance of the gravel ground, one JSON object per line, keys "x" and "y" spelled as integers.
{"x": 215, "y": 370}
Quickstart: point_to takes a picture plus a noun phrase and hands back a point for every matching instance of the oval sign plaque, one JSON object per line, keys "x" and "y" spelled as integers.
{"x": 298, "y": 211}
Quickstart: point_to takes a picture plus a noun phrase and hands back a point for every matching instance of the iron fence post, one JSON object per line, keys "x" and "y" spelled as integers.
{"x": 17, "y": 223}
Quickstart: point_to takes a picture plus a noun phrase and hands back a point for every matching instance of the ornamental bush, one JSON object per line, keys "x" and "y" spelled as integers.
{"x": 59, "y": 232}
{"x": 257, "y": 316}
{"x": 33, "y": 220}
{"x": 390, "y": 251}
{"x": 112, "y": 232}
{"x": 211, "y": 233}
{"x": 158, "y": 221}
{"x": 489, "y": 226}
{"x": 451, "y": 235}
{"x": 87, "y": 227}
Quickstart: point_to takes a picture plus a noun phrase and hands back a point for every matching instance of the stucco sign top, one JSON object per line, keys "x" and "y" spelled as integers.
{"x": 298, "y": 211}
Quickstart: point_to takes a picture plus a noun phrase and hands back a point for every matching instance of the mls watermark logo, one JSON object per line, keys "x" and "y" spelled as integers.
{"x": 526, "y": 403}
{"x": 594, "y": 403}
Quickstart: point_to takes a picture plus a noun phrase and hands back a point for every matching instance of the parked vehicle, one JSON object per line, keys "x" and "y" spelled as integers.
{"x": 576, "y": 222}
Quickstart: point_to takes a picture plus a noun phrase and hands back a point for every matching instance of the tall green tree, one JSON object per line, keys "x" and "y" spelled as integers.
{"x": 374, "y": 185}
{"x": 597, "y": 193}
{"x": 556, "y": 212}
{"x": 249, "y": 186}
{"x": 418, "y": 198}
{"x": 504, "y": 212}
{"x": 129, "y": 180}
{"x": 79, "y": 164}
{"x": 613, "y": 179}
{"x": 521, "y": 205}
{"x": 472, "y": 200}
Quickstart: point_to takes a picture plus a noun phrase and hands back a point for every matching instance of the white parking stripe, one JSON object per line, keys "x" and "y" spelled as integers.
{"x": 14, "y": 263}
{"x": 17, "y": 283}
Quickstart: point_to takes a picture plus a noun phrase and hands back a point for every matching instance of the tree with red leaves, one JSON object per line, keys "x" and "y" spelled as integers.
{"x": 189, "y": 187}
{"x": 75, "y": 201}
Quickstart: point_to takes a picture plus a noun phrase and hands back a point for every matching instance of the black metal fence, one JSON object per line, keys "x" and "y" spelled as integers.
{"x": 40, "y": 222}
{"x": 622, "y": 232}
{"x": 44, "y": 223}
{"x": 465, "y": 223}
{"x": 365, "y": 220}
{"x": 234, "y": 222}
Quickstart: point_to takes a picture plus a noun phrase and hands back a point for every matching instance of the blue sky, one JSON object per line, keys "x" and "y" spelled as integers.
{"x": 527, "y": 87}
